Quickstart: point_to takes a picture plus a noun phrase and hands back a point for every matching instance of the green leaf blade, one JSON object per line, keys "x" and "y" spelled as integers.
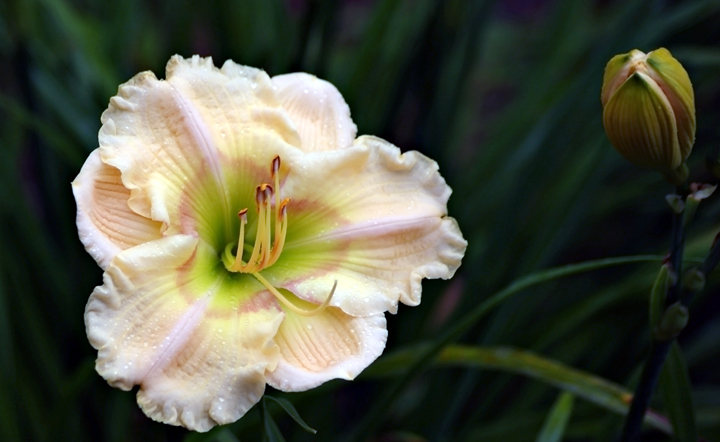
{"x": 290, "y": 410}
{"x": 676, "y": 393}
{"x": 554, "y": 427}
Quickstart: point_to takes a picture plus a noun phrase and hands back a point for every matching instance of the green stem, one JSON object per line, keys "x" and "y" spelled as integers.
{"x": 375, "y": 417}
{"x": 659, "y": 349}
{"x": 712, "y": 259}
{"x": 648, "y": 382}
{"x": 677, "y": 248}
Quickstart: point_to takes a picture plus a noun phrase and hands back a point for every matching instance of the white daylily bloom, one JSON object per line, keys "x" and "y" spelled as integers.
{"x": 247, "y": 237}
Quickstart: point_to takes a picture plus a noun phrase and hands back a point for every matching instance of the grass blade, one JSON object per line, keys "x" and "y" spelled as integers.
{"x": 554, "y": 427}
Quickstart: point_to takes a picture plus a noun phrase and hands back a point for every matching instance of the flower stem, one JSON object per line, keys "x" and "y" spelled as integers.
{"x": 648, "y": 381}
{"x": 659, "y": 349}
{"x": 712, "y": 259}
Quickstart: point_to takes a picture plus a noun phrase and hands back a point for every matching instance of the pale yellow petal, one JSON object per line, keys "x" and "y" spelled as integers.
{"x": 640, "y": 123}
{"x": 374, "y": 220}
{"x": 198, "y": 343}
{"x": 177, "y": 141}
{"x": 106, "y": 225}
{"x": 317, "y": 108}
{"x": 331, "y": 345}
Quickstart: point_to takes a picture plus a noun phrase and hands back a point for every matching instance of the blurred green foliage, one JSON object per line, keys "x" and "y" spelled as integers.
{"x": 504, "y": 95}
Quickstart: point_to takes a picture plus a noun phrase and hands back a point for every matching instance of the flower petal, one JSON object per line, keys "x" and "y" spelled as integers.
{"x": 640, "y": 123}
{"x": 175, "y": 141}
{"x": 317, "y": 108}
{"x": 106, "y": 225}
{"x": 374, "y": 220}
{"x": 196, "y": 341}
{"x": 330, "y": 345}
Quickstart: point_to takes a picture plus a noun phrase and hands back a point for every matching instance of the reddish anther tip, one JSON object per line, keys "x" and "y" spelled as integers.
{"x": 263, "y": 192}
{"x": 243, "y": 214}
{"x": 275, "y": 166}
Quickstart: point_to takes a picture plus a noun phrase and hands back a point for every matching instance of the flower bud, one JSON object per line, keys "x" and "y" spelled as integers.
{"x": 673, "y": 321}
{"x": 649, "y": 110}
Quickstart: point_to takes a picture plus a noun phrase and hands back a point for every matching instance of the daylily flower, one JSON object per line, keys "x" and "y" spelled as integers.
{"x": 247, "y": 237}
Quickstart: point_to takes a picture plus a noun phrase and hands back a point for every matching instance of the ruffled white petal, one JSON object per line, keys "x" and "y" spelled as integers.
{"x": 317, "y": 108}
{"x": 183, "y": 156}
{"x": 182, "y": 144}
{"x": 197, "y": 343}
{"x": 374, "y": 220}
{"x": 331, "y": 345}
{"x": 106, "y": 225}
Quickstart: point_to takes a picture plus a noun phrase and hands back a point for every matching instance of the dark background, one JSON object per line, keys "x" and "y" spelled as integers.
{"x": 505, "y": 95}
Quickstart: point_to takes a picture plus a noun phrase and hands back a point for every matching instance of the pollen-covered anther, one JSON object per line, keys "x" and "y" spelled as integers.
{"x": 275, "y": 167}
{"x": 266, "y": 250}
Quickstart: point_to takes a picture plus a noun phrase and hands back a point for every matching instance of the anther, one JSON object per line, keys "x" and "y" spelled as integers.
{"x": 263, "y": 192}
{"x": 267, "y": 247}
{"x": 275, "y": 166}
{"x": 283, "y": 207}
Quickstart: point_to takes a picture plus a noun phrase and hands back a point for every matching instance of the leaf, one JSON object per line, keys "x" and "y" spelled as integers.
{"x": 290, "y": 409}
{"x": 556, "y": 422}
{"x": 225, "y": 435}
{"x": 417, "y": 359}
{"x": 9, "y": 429}
{"x": 676, "y": 393}
{"x": 586, "y": 385}
{"x": 271, "y": 432}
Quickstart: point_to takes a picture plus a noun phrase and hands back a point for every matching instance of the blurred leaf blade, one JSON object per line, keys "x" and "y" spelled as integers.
{"x": 290, "y": 409}
{"x": 590, "y": 387}
{"x": 271, "y": 432}
{"x": 556, "y": 422}
{"x": 675, "y": 389}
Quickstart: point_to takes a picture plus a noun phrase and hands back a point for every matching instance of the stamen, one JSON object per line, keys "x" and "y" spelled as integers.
{"x": 275, "y": 166}
{"x": 275, "y": 175}
{"x": 267, "y": 239}
{"x": 280, "y": 231}
{"x": 241, "y": 240}
{"x": 267, "y": 249}
{"x": 256, "y": 257}
{"x": 286, "y": 302}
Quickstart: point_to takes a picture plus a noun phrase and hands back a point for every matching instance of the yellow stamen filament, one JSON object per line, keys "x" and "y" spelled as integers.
{"x": 280, "y": 232}
{"x": 292, "y": 307}
{"x": 263, "y": 254}
{"x": 267, "y": 249}
{"x": 241, "y": 239}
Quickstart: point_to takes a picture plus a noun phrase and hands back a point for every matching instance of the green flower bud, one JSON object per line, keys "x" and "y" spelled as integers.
{"x": 672, "y": 322}
{"x": 694, "y": 280}
{"x": 649, "y": 110}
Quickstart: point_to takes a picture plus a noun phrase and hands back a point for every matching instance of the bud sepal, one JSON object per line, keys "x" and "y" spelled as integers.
{"x": 649, "y": 111}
